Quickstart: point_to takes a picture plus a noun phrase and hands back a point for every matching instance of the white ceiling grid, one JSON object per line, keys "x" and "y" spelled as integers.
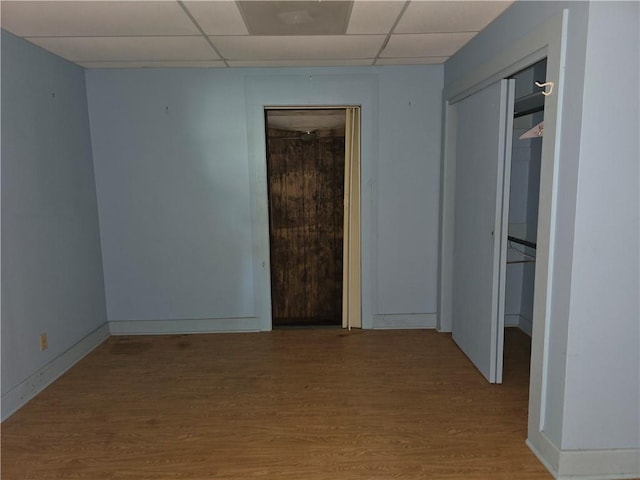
{"x": 132, "y": 33}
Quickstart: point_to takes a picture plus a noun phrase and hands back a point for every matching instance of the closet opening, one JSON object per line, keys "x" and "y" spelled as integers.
{"x": 496, "y": 137}
{"x": 523, "y": 200}
{"x": 310, "y": 185}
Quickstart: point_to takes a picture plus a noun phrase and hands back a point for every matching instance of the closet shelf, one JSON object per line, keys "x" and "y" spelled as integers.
{"x": 528, "y": 104}
{"x": 515, "y": 255}
{"x": 518, "y": 256}
{"x": 521, "y": 241}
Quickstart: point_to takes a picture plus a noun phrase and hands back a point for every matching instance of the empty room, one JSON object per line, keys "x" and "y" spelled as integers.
{"x": 320, "y": 240}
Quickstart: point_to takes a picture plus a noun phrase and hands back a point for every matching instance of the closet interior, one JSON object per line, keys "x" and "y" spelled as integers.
{"x": 524, "y": 187}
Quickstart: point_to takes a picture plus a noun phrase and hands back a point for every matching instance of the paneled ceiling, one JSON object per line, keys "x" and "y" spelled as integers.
{"x": 131, "y": 33}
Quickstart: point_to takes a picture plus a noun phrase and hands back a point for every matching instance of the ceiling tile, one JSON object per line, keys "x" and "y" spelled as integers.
{"x": 95, "y": 18}
{"x": 194, "y": 64}
{"x": 299, "y": 48}
{"x": 218, "y": 18}
{"x": 295, "y": 18}
{"x": 161, "y": 33}
{"x": 436, "y": 17}
{"x": 411, "y": 61}
{"x": 373, "y": 17}
{"x": 426, "y": 44}
{"x": 115, "y": 49}
{"x": 300, "y": 63}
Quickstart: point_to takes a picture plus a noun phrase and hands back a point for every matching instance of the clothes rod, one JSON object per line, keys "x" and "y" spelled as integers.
{"x": 528, "y": 112}
{"x": 521, "y": 242}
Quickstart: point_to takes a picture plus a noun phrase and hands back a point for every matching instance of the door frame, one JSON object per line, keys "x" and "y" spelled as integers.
{"x": 307, "y": 88}
{"x": 546, "y": 41}
{"x": 345, "y": 255}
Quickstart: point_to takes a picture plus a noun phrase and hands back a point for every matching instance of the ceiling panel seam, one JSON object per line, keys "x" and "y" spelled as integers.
{"x": 391, "y": 30}
{"x": 202, "y": 32}
{"x": 241, "y": 11}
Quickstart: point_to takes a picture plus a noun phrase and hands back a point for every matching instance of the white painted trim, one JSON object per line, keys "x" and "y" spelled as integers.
{"x": 173, "y": 327}
{"x": 599, "y": 464}
{"x": 447, "y": 209}
{"x": 547, "y": 453}
{"x": 525, "y": 325}
{"x": 502, "y": 221}
{"x": 487, "y": 73}
{"x": 587, "y": 464}
{"x": 19, "y": 395}
{"x": 261, "y": 258}
{"x": 511, "y": 320}
{"x": 554, "y": 34}
{"x": 405, "y": 320}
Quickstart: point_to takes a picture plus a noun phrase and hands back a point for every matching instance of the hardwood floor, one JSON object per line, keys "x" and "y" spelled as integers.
{"x": 288, "y": 404}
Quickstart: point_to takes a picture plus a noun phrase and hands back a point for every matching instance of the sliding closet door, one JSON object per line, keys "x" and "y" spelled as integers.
{"x": 482, "y": 151}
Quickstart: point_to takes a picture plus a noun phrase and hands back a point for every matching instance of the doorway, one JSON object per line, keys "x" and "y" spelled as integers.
{"x": 306, "y": 198}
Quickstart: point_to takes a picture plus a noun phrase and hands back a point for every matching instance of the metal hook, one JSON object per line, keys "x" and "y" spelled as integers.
{"x": 546, "y": 93}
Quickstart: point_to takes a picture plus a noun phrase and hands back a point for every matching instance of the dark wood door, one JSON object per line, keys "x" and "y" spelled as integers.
{"x": 306, "y": 209}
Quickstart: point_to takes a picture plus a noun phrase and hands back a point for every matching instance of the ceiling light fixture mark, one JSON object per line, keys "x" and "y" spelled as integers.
{"x": 285, "y": 18}
{"x": 296, "y": 17}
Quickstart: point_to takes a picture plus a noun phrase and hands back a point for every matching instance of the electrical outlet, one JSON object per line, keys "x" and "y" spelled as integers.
{"x": 43, "y": 341}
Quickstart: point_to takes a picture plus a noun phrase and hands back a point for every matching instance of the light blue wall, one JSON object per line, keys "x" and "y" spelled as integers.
{"x": 408, "y": 190}
{"x": 180, "y": 190}
{"x": 602, "y": 397}
{"x": 170, "y": 157}
{"x": 51, "y": 265}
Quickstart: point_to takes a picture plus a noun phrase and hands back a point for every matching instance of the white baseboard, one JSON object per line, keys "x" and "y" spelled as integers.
{"x": 599, "y": 464}
{"x": 511, "y": 320}
{"x": 525, "y": 325}
{"x": 517, "y": 320}
{"x": 546, "y": 451}
{"x": 402, "y": 321}
{"x": 614, "y": 464}
{"x": 172, "y": 327}
{"x": 19, "y": 395}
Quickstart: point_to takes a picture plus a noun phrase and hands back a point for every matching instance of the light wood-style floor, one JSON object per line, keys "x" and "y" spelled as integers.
{"x": 288, "y": 404}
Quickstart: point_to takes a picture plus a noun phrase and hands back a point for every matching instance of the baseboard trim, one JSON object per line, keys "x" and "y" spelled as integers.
{"x": 511, "y": 320}
{"x": 599, "y": 464}
{"x": 525, "y": 325}
{"x": 546, "y": 451}
{"x": 614, "y": 464}
{"x": 172, "y": 327}
{"x": 402, "y": 321}
{"x": 517, "y": 320}
{"x": 19, "y": 395}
